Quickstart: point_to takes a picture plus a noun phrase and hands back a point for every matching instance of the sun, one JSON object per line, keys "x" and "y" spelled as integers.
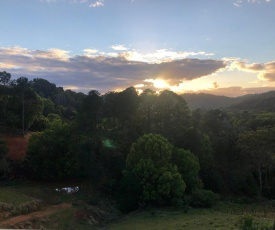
{"x": 158, "y": 83}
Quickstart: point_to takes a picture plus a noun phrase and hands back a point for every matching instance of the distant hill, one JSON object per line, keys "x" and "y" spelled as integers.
{"x": 207, "y": 101}
{"x": 255, "y": 102}
{"x": 249, "y": 102}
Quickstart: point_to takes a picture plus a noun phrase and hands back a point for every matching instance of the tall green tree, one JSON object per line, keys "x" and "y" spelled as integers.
{"x": 147, "y": 109}
{"x": 172, "y": 116}
{"x": 50, "y": 155}
{"x": 149, "y": 166}
{"x": 90, "y": 113}
{"x": 219, "y": 127}
{"x": 188, "y": 166}
{"x": 4, "y": 166}
{"x": 22, "y": 83}
{"x": 4, "y": 97}
{"x": 127, "y": 106}
{"x": 44, "y": 88}
{"x": 5, "y": 78}
{"x": 258, "y": 149}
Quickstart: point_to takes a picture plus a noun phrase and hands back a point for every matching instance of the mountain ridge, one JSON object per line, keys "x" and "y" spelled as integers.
{"x": 252, "y": 102}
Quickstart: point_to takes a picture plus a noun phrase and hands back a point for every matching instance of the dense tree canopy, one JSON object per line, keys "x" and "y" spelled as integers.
{"x": 49, "y": 154}
{"x": 148, "y": 148}
{"x": 258, "y": 148}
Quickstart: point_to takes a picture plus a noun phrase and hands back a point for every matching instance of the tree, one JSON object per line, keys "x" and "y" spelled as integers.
{"x": 218, "y": 125}
{"x": 22, "y": 83}
{"x": 120, "y": 117}
{"x": 148, "y": 164}
{"x": 111, "y": 110}
{"x": 3, "y": 161}
{"x": 188, "y": 166}
{"x": 48, "y": 107}
{"x": 49, "y": 154}
{"x": 44, "y": 88}
{"x": 172, "y": 116}
{"x": 90, "y": 113}
{"x": 258, "y": 148}
{"x": 5, "y": 78}
{"x": 20, "y": 105}
{"x": 148, "y": 99}
{"x": 127, "y": 106}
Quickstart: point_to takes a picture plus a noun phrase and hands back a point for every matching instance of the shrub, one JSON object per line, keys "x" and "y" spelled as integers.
{"x": 149, "y": 178}
{"x": 248, "y": 223}
{"x": 204, "y": 198}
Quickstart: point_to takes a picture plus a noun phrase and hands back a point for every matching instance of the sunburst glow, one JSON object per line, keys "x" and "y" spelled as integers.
{"x": 158, "y": 83}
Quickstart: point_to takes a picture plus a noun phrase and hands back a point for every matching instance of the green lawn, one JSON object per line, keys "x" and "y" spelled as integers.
{"x": 12, "y": 196}
{"x": 198, "y": 219}
{"x": 225, "y": 215}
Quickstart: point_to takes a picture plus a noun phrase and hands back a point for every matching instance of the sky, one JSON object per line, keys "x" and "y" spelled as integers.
{"x": 221, "y": 47}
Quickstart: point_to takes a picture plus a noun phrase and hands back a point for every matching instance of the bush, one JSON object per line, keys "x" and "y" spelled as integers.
{"x": 4, "y": 169}
{"x": 248, "y": 223}
{"x": 129, "y": 193}
{"x": 149, "y": 178}
{"x": 204, "y": 198}
{"x": 50, "y": 153}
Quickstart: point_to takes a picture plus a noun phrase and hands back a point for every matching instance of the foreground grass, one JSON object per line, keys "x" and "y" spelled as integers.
{"x": 11, "y": 196}
{"x": 224, "y": 216}
{"x": 199, "y": 219}
{"x": 66, "y": 219}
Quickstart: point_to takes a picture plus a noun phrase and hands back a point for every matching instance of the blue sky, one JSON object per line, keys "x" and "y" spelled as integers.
{"x": 223, "y": 47}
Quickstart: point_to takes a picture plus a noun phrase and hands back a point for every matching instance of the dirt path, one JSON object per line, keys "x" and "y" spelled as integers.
{"x": 40, "y": 214}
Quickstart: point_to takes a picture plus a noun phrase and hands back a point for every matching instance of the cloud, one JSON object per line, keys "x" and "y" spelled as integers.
{"x": 239, "y": 3}
{"x": 97, "y": 4}
{"x": 266, "y": 71}
{"x": 119, "y": 47}
{"x": 80, "y": 1}
{"x": 48, "y": 1}
{"x": 162, "y": 55}
{"x": 250, "y": 67}
{"x": 215, "y": 85}
{"x": 269, "y": 72}
{"x": 90, "y": 52}
{"x": 91, "y": 3}
{"x": 103, "y": 71}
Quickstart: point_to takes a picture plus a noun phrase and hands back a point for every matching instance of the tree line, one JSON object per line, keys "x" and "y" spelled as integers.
{"x": 141, "y": 149}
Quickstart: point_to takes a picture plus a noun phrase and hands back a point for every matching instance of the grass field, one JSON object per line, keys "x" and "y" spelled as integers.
{"x": 12, "y": 196}
{"x": 194, "y": 219}
{"x": 224, "y": 216}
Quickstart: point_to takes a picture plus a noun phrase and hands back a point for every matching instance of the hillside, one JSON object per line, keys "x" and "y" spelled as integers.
{"x": 256, "y": 102}
{"x": 249, "y": 102}
{"x": 207, "y": 101}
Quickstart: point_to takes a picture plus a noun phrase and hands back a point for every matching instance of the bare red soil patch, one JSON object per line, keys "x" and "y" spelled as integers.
{"x": 17, "y": 145}
{"x": 46, "y": 212}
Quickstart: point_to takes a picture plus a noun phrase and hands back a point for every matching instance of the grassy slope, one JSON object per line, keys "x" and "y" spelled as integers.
{"x": 223, "y": 216}
{"x": 199, "y": 219}
{"x": 11, "y": 196}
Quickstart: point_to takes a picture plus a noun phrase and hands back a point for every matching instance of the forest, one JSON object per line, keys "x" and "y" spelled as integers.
{"x": 151, "y": 149}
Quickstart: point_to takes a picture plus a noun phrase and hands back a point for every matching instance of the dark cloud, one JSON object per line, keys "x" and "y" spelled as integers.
{"x": 103, "y": 72}
{"x": 251, "y": 67}
{"x": 215, "y": 85}
{"x": 188, "y": 69}
{"x": 266, "y": 71}
{"x": 269, "y": 72}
